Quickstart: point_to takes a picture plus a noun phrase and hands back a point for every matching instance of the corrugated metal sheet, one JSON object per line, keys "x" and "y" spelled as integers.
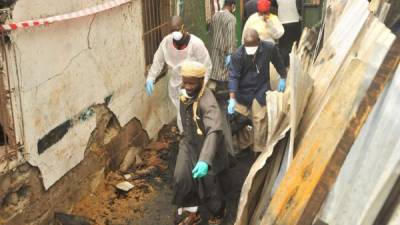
{"x": 364, "y": 180}
{"x": 356, "y": 61}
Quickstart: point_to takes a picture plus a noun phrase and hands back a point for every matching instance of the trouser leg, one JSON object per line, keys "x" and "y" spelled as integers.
{"x": 260, "y": 126}
{"x": 214, "y": 198}
{"x": 185, "y": 193}
{"x": 245, "y": 135}
{"x": 292, "y": 34}
{"x": 189, "y": 192}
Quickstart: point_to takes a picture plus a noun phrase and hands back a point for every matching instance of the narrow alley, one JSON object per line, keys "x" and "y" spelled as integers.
{"x": 199, "y": 112}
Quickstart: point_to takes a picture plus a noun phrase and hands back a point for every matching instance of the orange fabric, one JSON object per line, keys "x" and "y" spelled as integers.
{"x": 263, "y": 6}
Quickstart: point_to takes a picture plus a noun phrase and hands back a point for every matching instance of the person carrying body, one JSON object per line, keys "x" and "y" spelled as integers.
{"x": 249, "y": 80}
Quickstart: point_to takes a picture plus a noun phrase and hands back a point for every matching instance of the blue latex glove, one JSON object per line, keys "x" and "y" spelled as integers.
{"x": 200, "y": 170}
{"x": 149, "y": 87}
{"x": 228, "y": 59}
{"x": 282, "y": 85}
{"x": 231, "y": 106}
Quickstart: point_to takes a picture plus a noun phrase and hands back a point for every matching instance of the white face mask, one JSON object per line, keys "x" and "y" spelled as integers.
{"x": 184, "y": 93}
{"x": 177, "y": 35}
{"x": 251, "y": 50}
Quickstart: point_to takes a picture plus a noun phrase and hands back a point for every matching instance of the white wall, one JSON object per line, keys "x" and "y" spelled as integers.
{"x": 65, "y": 68}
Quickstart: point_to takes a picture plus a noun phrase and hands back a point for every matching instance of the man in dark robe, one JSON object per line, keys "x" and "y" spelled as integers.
{"x": 203, "y": 150}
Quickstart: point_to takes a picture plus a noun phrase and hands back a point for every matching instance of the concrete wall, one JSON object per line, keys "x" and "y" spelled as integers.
{"x": 23, "y": 199}
{"x": 78, "y": 104}
{"x": 62, "y": 71}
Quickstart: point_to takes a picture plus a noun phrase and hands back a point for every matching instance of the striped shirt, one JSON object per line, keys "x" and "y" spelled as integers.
{"x": 223, "y": 37}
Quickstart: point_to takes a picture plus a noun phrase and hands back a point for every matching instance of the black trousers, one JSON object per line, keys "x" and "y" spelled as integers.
{"x": 194, "y": 192}
{"x": 292, "y": 34}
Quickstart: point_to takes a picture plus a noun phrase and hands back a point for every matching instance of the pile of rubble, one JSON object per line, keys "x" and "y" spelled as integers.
{"x": 122, "y": 196}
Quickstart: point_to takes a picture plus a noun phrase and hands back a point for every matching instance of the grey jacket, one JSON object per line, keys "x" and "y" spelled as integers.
{"x": 215, "y": 143}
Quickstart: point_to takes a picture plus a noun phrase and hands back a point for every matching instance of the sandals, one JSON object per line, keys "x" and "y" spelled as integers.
{"x": 191, "y": 219}
{"x": 217, "y": 220}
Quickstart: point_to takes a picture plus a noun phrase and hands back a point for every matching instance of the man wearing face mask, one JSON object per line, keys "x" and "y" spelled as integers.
{"x": 203, "y": 150}
{"x": 173, "y": 50}
{"x": 268, "y": 25}
{"x": 249, "y": 80}
{"x": 223, "y": 36}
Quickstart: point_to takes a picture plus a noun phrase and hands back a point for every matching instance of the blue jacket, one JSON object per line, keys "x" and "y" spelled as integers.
{"x": 249, "y": 75}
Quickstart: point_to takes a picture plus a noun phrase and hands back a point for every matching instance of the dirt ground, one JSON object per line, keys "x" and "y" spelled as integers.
{"x": 149, "y": 202}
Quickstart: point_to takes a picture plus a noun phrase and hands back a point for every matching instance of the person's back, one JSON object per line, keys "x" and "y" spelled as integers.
{"x": 223, "y": 37}
{"x": 223, "y": 22}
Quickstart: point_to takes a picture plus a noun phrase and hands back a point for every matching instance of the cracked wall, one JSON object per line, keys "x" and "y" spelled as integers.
{"x": 23, "y": 199}
{"x": 61, "y": 71}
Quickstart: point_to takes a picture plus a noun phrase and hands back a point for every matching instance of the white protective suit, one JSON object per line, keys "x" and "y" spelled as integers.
{"x": 167, "y": 53}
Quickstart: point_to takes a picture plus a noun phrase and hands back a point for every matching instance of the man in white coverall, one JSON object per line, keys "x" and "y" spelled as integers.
{"x": 174, "y": 49}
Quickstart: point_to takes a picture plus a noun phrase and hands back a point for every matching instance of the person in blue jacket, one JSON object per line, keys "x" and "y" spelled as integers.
{"x": 249, "y": 80}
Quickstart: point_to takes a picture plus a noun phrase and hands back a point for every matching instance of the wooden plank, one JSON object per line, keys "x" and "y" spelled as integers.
{"x": 326, "y": 144}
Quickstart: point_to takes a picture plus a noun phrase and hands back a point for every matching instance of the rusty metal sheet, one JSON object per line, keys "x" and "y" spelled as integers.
{"x": 369, "y": 172}
{"x": 278, "y": 125}
{"x": 333, "y": 12}
{"x": 301, "y": 88}
{"x": 339, "y": 117}
{"x": 333, "y": 54}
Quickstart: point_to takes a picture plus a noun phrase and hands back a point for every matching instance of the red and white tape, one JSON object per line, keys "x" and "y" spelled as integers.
{"x": 81, "y": 13}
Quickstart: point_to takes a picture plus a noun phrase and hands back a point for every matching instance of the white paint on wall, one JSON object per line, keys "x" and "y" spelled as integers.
{"x": 65, "y": 68}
